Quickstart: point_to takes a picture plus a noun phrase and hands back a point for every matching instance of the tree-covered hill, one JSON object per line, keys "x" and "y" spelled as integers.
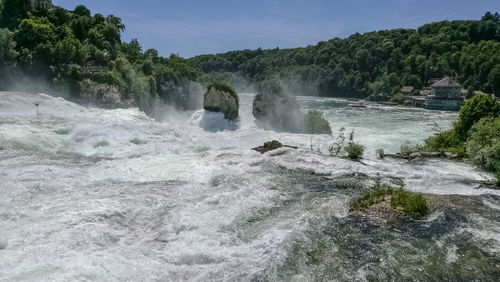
{"x": 83, "y": 54}
{"x": 377, "y": 62}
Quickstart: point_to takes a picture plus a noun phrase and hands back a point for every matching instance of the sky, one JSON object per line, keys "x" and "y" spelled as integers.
{"x": 189, "y": 27}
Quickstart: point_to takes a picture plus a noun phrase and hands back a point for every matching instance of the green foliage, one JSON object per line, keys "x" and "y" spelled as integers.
{"x": 7, "y": 46}
{"x": 351, "y": 150}
{"x": 483, "y": 144}
{"x": 223, "y": 87}
{"x": 413, "y": 204}
{"x": 317, "y": 124}
{"x": 377, "y": 63}
{"x": 401, "y": 200}
{"x": 354, "y": 151}
{"x": 398, "y": 98}
{"x": 446, "y": 141}
{"x": 70, "y": 47}
{"x": 338, "y": 148}
{"x": 476, "y": 108}
{"x": 372, "y": 198}
{"x": 12, "y": 11}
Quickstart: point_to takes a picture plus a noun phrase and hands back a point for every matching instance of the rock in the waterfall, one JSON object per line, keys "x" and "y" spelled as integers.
{"x": 100, "y": 93}
{"x": 270, "y": 146}
{"x": 221, "y": 98}
{"x": 275, "y": 108}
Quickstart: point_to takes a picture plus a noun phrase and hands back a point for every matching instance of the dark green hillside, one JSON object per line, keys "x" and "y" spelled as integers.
{"x": 378, "y": 62}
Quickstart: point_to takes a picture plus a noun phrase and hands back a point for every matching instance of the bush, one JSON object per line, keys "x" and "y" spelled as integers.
{"x": 398, "y": 98}
{"x": 483, "y": 144}
{"x": 408, "y": 202}
{"x": 413, "y": 204}
{"x": 317, "y": 124}
{"x": 476, "y": 108}
{"x": 354, "y": 151}
{"x": 371, "y": 198}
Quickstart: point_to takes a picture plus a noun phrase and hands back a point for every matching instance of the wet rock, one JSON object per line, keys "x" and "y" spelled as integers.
{"x": 275, "y": 108}
{"x": 451, "y": 155}
{"x": 270, "y": 146}
{"x": 222, "y": 99}
{"x": 100, "y": 93}
{"x": 415, "y": 155}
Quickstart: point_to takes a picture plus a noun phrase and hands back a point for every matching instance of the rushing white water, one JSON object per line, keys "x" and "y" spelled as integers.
{"x": 92, "y": 194}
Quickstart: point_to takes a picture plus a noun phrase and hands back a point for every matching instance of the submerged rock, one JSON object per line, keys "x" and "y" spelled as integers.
{"x": 270, "y": 146}
{"x": 221, "y": 98}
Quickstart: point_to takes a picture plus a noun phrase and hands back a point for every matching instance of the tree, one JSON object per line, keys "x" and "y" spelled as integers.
{"x": 478, "y": 107}
{"x": 7, "y": 46}
{"x": 494, "y": 79}
{"x": 13, "y": 11}
{"x": 483, "y": 145}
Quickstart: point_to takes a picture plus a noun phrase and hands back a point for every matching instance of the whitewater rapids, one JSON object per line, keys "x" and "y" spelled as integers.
{"x": 89, "y": 194}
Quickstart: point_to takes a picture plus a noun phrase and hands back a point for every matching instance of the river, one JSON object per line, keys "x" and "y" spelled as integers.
{"x": 89, "y": 194}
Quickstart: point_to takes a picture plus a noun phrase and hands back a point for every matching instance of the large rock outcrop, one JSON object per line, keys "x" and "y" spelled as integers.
{"x": 221, "y": 98}
{"x": 100, "y": 93}
{"x": 274, "y": 108}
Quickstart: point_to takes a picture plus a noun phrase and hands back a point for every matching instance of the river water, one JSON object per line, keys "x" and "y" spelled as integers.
{"x": 89, "y": 194}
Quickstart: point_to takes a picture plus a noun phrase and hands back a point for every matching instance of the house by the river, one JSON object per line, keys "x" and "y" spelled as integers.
{"x": 446, "y": 94}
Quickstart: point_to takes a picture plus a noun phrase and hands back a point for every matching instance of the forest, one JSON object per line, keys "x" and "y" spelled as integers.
{"x": 376, "y": 63}
{"x": 70, "y": 51}
{"x": 76, "y": 52}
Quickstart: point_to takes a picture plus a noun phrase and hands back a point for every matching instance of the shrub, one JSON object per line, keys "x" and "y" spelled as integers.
{"x": 476, "y": 108}
{"x": 444, "y": 142}
{"x": 337, "y": 148}
{"x": 408, "y": 202}
{"x": 380, "y": 153}
{"x": 354, "y": 151}
{"x": 483, "y": 144}
{"x": 317, "y": 124}
{"x": 398, "y": 98}
{"x": 372, "y": 198}
{"x": 413, "y": 204}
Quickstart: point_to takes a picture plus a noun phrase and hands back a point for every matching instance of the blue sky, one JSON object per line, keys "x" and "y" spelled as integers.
{"x": 189, "y": 27}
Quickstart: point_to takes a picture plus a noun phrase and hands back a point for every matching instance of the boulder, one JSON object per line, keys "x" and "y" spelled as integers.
{"x": 100, "y": 93}
{"x": 221, "y": 98}
{"x": 274, "y": 108}
{"x": 270, "y": 146}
